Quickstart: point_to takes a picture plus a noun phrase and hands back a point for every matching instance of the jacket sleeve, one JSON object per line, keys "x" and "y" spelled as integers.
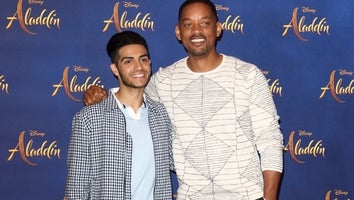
{"x": 172, "y": 163}
{"x": 78, "y": 160}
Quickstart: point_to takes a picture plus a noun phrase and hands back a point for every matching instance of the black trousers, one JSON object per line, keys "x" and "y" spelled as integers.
{"x": 260, "y": 198}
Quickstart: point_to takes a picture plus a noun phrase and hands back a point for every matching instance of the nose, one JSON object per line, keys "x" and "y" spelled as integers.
{"x": 138, "y": 64}
{"x": 197, "y": 29}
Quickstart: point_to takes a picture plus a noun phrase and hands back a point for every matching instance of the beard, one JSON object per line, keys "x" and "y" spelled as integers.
{"x": 198, "y": 52}
{"x": 131, "y": 84}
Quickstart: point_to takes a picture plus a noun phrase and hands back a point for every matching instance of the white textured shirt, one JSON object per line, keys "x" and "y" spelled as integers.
{"x": 226, "y": 128}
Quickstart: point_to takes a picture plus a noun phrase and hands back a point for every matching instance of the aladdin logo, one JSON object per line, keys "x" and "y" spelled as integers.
{"x": 274, "y": 85}
{"x": 28, "y": 150}
{"x": 337, "y": 195}
{"x": 317, "y": 25}
{"x": 232, "y": 24}
{"x": 72, "y": 85}
{"x": 4, "y": 87}
{"x": 140, "y": 21}
{"x": 297, "y": 148}
{"x": 25, "y": 19}
{"x": 337, "y": 87}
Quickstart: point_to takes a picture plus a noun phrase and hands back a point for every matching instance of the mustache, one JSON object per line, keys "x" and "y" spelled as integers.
{"x": 197, "y": 36}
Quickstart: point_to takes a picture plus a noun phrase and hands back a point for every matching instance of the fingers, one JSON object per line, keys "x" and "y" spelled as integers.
{"x": 86, "y": 98}
{"x": 93, "y": 95}
{"x": 103, "y": 93}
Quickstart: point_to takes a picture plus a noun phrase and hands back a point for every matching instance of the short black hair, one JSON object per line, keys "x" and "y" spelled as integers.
{"x": 206, "y": 2}
{"x": 122, "y": 39}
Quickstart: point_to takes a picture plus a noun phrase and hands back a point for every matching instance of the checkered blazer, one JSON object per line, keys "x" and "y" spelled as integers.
{"x": 100, "y": 152}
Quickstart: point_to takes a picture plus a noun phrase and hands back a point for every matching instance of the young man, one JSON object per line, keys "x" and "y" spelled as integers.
{"x": 120, "y": 148}
{"x": 227, "y": 143}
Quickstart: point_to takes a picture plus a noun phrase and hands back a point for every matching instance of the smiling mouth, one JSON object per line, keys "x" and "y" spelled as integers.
{"x": 198, "y": 40}
{"x": 138, "y": 75}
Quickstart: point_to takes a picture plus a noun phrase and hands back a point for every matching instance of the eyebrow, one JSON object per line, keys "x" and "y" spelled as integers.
{"x": 202, "y": 18}
{"x": 130, "y": 57}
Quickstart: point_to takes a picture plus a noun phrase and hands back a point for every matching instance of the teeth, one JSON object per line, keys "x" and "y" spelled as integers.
{"x": 198, "y": 40}
{"x": 138, "y": 75}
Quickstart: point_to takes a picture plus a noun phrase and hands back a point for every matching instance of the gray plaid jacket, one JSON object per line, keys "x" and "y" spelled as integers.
{"x": 100, "y": 152}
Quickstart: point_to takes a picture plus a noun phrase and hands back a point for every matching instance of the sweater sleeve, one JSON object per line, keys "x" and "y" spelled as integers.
{"x": 151, "y": 88}
{"x": 265, "y": 122}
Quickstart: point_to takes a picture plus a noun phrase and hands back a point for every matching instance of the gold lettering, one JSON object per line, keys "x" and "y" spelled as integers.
{"x": 330, "y": 87}
{"x": 314, "y": 27}
{"x": 310, "y": 149}
{"x": 234, "y": 25}
{"x": 291, "y": 148}
{"x": 115, "y": 19}
{"x": 337, "y": 88}
{"x": 301, "y": 27}
{"x": 48, "y": 151}
{"x": 44, "y": 19}
{"x": 344, "y": 90}
{"x": 64, "y": 83}
{"x": 3, "y": 85}
{"x": 293, "y": 24}
{"x": 20, "y": 147}
{"x": 43, "y": 151}
{"x": 275, "y": 87}
{"x": 140, "y": 21}
{"x": 19, "y": 14}
{"x": 74, "y": 87}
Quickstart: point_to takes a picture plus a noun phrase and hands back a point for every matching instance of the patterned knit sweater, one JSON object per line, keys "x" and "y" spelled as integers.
{"x": 226, "y": 129}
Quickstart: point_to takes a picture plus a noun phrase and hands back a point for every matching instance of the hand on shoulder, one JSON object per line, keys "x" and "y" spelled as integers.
{"x": 93, "y": 95}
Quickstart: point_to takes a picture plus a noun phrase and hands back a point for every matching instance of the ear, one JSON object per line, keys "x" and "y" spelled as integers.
{"x": 178, "y": 33}
{"x": 114, "y": 69}
{"x": 218, "y": 29}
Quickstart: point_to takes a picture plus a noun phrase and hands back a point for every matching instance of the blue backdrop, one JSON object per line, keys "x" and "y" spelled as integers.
{"x": 52, "y": 51}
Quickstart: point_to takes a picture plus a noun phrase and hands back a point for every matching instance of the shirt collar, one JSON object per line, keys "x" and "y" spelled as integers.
{"x": 121, "y": 105}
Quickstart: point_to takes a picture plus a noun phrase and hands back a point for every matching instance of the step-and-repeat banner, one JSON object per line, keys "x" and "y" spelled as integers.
{"x": 51, "y": 51}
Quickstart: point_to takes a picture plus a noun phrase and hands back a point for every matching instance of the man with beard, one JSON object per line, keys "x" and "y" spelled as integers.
{"x": 120, "y": 147}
